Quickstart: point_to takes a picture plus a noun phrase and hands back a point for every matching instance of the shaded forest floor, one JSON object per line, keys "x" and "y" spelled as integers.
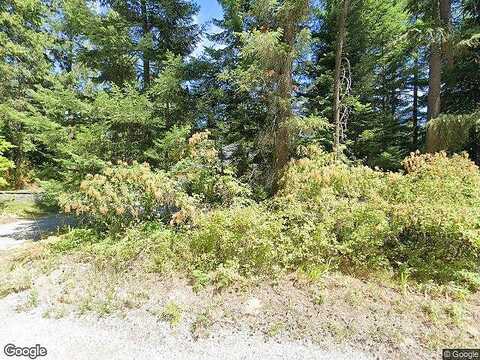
{"x": 345, "y": 316}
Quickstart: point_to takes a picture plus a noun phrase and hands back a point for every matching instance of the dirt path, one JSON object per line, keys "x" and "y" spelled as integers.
{"x": 14, "y": 234}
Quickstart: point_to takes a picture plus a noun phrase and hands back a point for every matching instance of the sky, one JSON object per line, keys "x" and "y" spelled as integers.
{"x": 209, "y": 9}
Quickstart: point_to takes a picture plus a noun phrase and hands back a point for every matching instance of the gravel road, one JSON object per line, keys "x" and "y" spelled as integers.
{"x": 16, "y": 233}
{"x": 140, "y": 337}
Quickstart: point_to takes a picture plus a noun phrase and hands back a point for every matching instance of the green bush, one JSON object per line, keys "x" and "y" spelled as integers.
{"x": 200, "y": 172}
{"x": 124, "y": 195}
{"x": 5, "y": 164}
{"x": 435, "y": 211}
{"x": 51, "y": 192}
{"x": 328, "y": 214}
{"x": 250, "y": 236}
{"x": 426, "y": 220}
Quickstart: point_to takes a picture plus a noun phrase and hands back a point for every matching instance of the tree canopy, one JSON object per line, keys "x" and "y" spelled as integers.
{"x": 87, "y": 82}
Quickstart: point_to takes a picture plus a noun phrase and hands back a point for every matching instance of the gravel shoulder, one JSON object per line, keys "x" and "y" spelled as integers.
{"x": 140, "y": 336}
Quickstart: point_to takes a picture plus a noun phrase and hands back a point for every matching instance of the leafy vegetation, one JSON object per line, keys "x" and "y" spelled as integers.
{"x": 282, "y": 146}
{"x": 422, "y": 224}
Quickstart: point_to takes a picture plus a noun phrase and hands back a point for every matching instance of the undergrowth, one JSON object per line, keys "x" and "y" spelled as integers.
{"x": 420, "y": 225}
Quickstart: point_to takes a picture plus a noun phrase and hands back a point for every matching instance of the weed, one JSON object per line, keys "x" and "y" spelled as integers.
{"x": 456, "y": 313}
{"x": 15, "y": 281}
{"x": 353, "y": 297}
{"x": 55, "y": 312}
{"x": 105, "y": 305}
{"x": 31, "y": 302}
{"x": 172, "y": 313}
{"x": 276, "y": 328}
{"x": 404, "y": 277}
{"x": 135, "y": 299}
{"x": 432, "y": 310}
{"x": 201, "y": 325}
{"x": 85, "y": 305}
{"x": 317, "y": 272}
{"x": 227, "y": 274}
{"x": 318, "y": 298}
{"x": 200, "y": 279}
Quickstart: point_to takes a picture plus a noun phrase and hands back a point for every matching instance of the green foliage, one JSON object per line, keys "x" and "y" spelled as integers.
{"x": 51, "y": 192}
{"x": 201, "y": 172}
{"x": 424, "y": 220}
{"x": 130, "y": 120}
{"x": 172, "y": 313}
{"x": 22, "y": 209}
{"x": 5, "y": 164}
{"x": 421, "y": 225}
{"x": 74, "y": 239}
{"x": 453, "y": 133}
{"x": 249, "y": 236}
{"x": 171, "y": 148}
{"x": 123, "y": 195}
{"x": 354, "y": 218}
{"x": 200, "y": 278}
{"x": 85, "y": 86}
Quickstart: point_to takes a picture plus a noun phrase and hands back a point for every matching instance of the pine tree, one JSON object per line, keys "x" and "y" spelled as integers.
{"x": 461, "y": 93}
{"x": 158, "y": 26}
{"x": 23, "y": 65}
{"x": 374, "y": 58}
{"x": 275, "y": 40}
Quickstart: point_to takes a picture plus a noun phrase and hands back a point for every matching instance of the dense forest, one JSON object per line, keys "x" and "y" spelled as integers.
{"x": 293, "y": 134}
{"x": 88, "y": 82}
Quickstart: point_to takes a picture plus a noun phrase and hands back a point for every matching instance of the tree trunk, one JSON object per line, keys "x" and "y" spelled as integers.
{"x": 434, "y": 81}
{"x": 442, "y": 15}
{"x": 146, "y": 61}
{"x": 341, "y": 31}
{"x": 284, "y": 107}
{"x": 283, "y": 114}
{"x": 446, "y": 18}
{"x": 415, "y": 105}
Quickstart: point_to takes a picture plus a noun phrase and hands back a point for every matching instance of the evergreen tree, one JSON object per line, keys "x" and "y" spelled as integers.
{"x": 156, "y": 27}
{"x": 461, "y": 92}
{"x": 375, "y": 87}
{"x": 269, "y": 49}
{"x": 23, "y": 65}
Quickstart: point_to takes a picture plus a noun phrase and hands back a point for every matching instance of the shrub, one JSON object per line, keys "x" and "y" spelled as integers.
{"x": 202, "y": 173}
{"x": 426, "y": 220}
{"x": 171, "y": 148}
{"x": 327, "y": 214}
{"x": 51, "y": 192}
{"x": 74, "y": 239}
{"x": 345, "y": 208}
{"x": 435, "y": 209}
{"x": 452, "y": 132}
{"x": 123, "y": 195}
{"x": 248, "y": 236}
{"x": 5, "y": 164}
